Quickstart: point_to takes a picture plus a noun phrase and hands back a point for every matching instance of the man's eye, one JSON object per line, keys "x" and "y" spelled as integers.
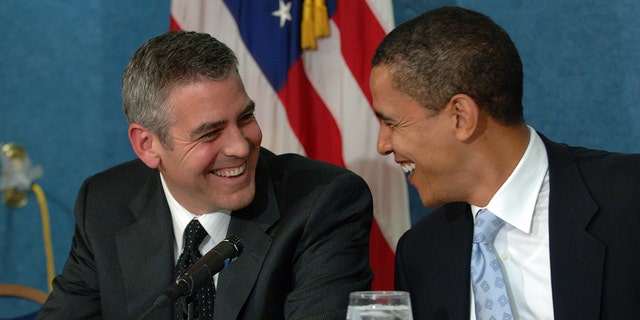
{"x": 210, "y": 135}
{"x": 247, "y": 117}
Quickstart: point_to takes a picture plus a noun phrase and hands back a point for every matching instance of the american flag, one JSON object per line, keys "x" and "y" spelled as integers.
{"x": 315, "y": 101}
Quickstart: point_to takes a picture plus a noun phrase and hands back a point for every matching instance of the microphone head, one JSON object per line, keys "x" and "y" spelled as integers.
{"x": 201, "y": 272}
{"x": 236, "y": 243}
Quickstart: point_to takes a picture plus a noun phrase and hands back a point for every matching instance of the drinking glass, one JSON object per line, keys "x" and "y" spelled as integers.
{"x": 379, "y": 305}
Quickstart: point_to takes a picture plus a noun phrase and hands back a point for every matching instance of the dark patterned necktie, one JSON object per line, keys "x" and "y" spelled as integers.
{"x": 200, "y": 306}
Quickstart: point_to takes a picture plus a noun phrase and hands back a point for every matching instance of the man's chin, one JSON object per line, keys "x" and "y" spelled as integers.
{"x": 239, "y": 199}
{"x": 429, "y": 202}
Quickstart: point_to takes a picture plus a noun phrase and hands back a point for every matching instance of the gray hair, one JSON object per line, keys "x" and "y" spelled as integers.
{"x": 173, "y": 58}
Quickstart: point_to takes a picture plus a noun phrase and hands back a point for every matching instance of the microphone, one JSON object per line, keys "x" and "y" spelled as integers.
{"x": 189, "y": 283}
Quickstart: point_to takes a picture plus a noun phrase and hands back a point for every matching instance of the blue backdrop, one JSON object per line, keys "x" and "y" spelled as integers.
{"x": 61, "y": 63}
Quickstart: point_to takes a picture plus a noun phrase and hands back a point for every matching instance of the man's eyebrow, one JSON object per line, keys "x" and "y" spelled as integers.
{"x": 250, "y": 108}
{"x": 205, "y": 128}
{"x": 382, "y": 117}
{"x": 210, "y": 126}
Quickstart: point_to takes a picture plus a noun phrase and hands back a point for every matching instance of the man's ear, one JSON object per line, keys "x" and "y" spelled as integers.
{"x": 467, "y": 115}
{"x": 144, "y": 144}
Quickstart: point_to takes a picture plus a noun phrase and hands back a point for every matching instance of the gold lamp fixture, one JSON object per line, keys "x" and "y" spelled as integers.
{"x": 16, "y": 181}
{"x": 17, "y": 175}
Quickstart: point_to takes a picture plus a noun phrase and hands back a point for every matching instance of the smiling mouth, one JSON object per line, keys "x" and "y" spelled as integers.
{"x": 230, "y": 172}
{"x": 408, "y": 167}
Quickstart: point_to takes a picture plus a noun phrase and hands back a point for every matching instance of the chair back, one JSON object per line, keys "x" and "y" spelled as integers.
{"x": 18, "y": 291}
{"x": 23, "y": 292}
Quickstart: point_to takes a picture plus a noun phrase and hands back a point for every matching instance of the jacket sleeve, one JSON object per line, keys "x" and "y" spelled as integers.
{"x": 332, "y": 259}
{"x": 75, "y": 292}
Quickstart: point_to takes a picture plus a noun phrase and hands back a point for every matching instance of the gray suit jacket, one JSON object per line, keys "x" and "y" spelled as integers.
{"x": 305, "y": 236}
{"x": 594, "y": 234}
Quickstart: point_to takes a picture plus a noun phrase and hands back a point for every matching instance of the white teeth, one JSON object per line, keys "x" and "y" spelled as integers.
{"x": 230, "y": 172}
{"x": 408, "y": 167}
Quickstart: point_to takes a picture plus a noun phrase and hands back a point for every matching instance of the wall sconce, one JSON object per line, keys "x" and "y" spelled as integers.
{"x": 15, "y": 182}
{"x": 17, "y": 175}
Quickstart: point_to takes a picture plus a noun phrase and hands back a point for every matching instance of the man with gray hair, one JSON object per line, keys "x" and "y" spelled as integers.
{"x": 201, "y": 175}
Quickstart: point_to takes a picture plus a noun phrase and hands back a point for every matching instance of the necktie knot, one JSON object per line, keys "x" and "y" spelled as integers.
{"x": 193, "y": 236}
{"x": 486, "y": 226}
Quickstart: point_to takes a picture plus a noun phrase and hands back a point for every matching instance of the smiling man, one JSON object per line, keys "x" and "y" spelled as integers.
{"x": 447, "y": 87}
{"x": 201, "y": 171}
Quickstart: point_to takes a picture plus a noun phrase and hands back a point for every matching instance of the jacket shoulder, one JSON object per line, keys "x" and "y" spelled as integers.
{"x": 300, "y": 168}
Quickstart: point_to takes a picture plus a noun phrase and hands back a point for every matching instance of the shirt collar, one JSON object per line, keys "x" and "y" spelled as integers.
{"x": 214, "y": 224}
{"x": 515, "y": 201}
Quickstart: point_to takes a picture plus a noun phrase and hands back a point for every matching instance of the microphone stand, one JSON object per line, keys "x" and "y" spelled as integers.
{"x": 190, "y": 311}
{"x": 145, "y": 315}
{"x": 162, "y": 301}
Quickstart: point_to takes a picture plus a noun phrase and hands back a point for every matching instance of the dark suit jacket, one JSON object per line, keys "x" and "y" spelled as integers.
{"x": 594, "y": 234}
{"x": 305, "y": 236}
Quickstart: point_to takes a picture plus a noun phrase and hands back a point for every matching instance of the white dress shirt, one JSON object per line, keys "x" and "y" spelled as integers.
{"x": 523, "y": 243}
{"x": 215, "y": 223}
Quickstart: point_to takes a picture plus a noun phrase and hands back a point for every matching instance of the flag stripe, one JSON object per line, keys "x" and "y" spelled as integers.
{"x": 383, "y": 11}
{"x": 173, "y": 24}
{"x": 309, "y": 118}
{"x": 345, "y": 99}
{"x": 382, "y": 260}
{"x": 358, "y": 48}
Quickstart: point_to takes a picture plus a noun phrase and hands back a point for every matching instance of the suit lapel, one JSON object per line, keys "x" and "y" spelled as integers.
{"x": 434, "y": 259}
{"x": 456, "y": 247}
{"x": 250, "y": 224}
{"x": 144, "y": 247}
{"x": 577, "y": 258}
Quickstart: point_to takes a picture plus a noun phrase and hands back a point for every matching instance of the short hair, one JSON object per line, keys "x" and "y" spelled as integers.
{"x": 452, "y": 50}
{"x": 173, "y": 58}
